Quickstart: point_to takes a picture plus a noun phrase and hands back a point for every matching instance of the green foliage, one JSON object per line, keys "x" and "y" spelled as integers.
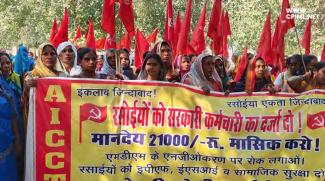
{"x": 30, "y": 21}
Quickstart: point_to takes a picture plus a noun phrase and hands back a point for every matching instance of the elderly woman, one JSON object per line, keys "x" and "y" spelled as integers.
{"x": 45, "y": 67}
{"x": 152, "y": 68}
{"x": 68, "y": 59}
{"x": 204, "y": 75}
{"x": 163, "y": 49}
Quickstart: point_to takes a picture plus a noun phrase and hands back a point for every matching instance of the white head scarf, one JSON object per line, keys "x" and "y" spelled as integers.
{"x": 76, "y": 69}
{"x": 197, "y": 76}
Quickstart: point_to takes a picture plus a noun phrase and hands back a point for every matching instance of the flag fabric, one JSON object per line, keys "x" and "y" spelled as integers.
{"x": 226, "y": 25}
{"x": 315, "y": 121}
{"x": 198, "y": 39}
{"x": 226, "y": 31}
{"x": 91, "y": 40}
{"x": 169, "y": 24}
{"x": 63, "y": 31}
{"x": 125, "y": 42}
{"x": 185, "y": 30}
{"x": 217, "y": 45}
{"x": 153, "y": 36}
{"x": 264, "y": 49}
{"x": 287, "y": 22}
{"x": 91, "y": 112}
{"x": 214, "y": 19}
{"x": 127, "y": 16}
{"x": 77, "y": 34}
{"x": 141, "y": 46}
{"x": 177, "y": 30}
{"x": 278, "y": 47}
{"x": 305, "y": 42}
{"x": 242, "y": 66}
{"x": 100, "y": 43}
{"x": 108, "y": 23}
{"x": 54, "y": 30}
{"x": 322, "y": 58}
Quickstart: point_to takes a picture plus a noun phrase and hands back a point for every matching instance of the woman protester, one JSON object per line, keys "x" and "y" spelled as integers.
{"x": 67, "y": 54}
{"x": 152, "y": 68}
{"x": 87, "y": 60}
{"x": 227, "y": 83}
{"x": 204, "y": 75}
{"x": 125, "y": 63}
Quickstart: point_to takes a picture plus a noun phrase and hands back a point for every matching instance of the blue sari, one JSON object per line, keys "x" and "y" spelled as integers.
{"x": 23, "y": 63}
{"x": 8, "y": 167}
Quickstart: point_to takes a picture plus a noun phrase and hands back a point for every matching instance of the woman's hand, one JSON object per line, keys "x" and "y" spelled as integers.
{"x": 205, "y": 89}
{"x": 30, "y": 83}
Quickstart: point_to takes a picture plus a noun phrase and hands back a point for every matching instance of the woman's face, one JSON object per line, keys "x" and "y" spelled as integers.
{"x": 5, "y": 64}
{"x": 88, "y": 62}
{"x": 311, "y": 65}
{"x": 185, "y": 64}
{"x": 208, "y": 65}
{"x": 165, "y": 53}
{"x": 219, "y": 67}
{"x": 153, "y": 68}
{"x": 111, "y": 60}
{"x": 67, "y": 55}
{"x": 125, "y": 60}
{"x": 259, "y": 68}
{"x": 48, "y": 57}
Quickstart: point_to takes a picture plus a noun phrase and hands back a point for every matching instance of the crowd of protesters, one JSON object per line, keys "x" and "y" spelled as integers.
{"x": 205, "y": 71}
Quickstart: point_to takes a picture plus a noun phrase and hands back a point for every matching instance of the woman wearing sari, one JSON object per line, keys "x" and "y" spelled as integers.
{"x": 23, "y": 63}
{"x": 256, "y": 78}
{"x": 152, "y": 68}
{"x": 204, "y": 75}
{"x": 163, "y": 49}
{"x": 45, "y": 67}
{"x": 68, "y": 59}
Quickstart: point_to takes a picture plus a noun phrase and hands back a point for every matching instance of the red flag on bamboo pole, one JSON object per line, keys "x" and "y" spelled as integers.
{"x": 141, "y": 46}
{"x": 185, "y": 30}
{"x": 77, "y": 34}
{"x": 198, "y": 40}
{"x": 214, "y": 19}
{"x": 63, "y": 31}
{"x": 54, "y": 30}
{"x": 177, "y": 30}
{"x": 100, "y": 43}
{"x": 226, "y": 31}
{"x": 91, "y": 40}
{"x": 169, "y": 24}
{"x": 127, "y": 16}
{"x": 108, "y": 23}
{"x": 305, "y": 41}
{"x": 287, "y": 20}
{"x": 125, "y": 42}
{"x": 322, "y": 58}
{"x": 242, "y": 66}
{"x": 153, "y": 36}
{"x": 264, "y": 49}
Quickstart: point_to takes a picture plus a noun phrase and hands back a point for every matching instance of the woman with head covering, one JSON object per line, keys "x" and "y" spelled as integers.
{"x": 227, "y": 82}
{"x": 45, "y": 67}
{"x": 11, "y": 81}
{"x": 184, "y": 64}
{"x": 125, "y": 63}
{"x": 152, "y": 68}
{"x": 67, "y": 54}
{"x": 163, "y": 49}
{"x": 204, "y": 75}
{"x": 256, "y": 78}
{"x": 10, "y": 143}
{"x": 111, "y": 67}
{"x": 23, "y": 63}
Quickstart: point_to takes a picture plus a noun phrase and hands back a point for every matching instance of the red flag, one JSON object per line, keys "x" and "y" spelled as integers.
{"x": 63, "y": 31}
{"x": 141, "y": 46}
{"x": 77, "y": 34}
{"x": 169, "y": 24}
{"x": 287, "y": 20}
{"x": 198, "y": 40}
{"x": 109, "y": 42}
{"x": 108, "y": 22}
{"x": 189, "y": 50}
{"x": 226, "y": 24}
{"x": 125, "y": 42}
{"x": 153, "y": 36}
{"x": 100, "y": 43}
{"x": 218, "y": 40}
{"x": 322, "y": 58}
{"x": 185, "y": 30}
{"x": 242, "y": 66}
{"x": 91, "y": 112}
{"x": 126, "y": 15}
{"x": 177, "y": 30}
{"x": 264, "y": 46}
{"x": 317, "y": 120}
{"x": 91, "y": 40}
{"x": 225, "y": 52}
{"x": 305, "y": 42}
{"x": 278, "y": 46}
{"x": 214, "y": 19}
{"x": 54, "y": 30}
